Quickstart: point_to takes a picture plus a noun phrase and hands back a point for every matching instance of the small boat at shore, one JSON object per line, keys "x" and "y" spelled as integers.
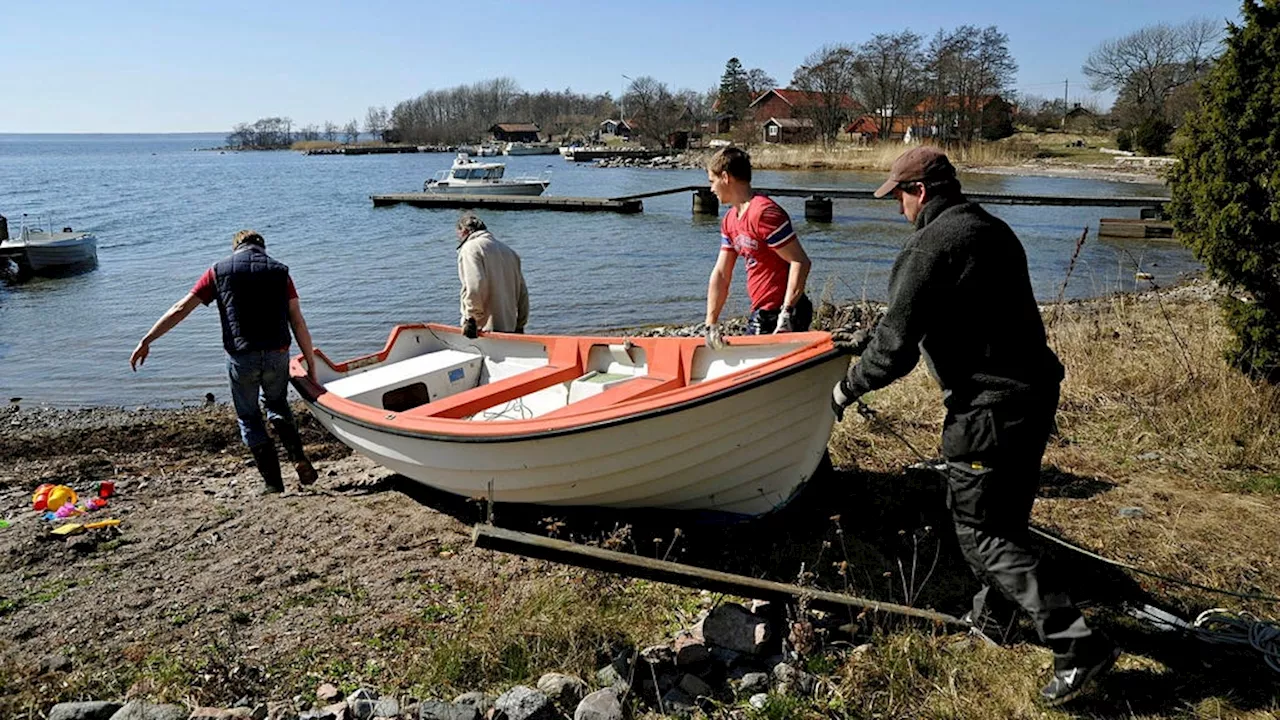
{"x": 521, "y": 148}
{"x": 590, "y": 421}
{"x": 37, "y": 251}
{"x": 469, "y": 177}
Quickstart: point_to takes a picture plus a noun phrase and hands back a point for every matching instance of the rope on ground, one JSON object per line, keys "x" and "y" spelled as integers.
{"x": 1239, "y": 630}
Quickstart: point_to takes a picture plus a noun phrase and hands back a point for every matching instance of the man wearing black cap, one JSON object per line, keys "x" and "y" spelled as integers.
{"x": 960, "y": 293}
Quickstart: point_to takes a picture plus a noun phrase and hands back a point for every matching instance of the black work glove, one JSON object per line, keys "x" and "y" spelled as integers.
{"x": 851, "y": 342}
{"x": 469, "y": 328}
{"x": 842, "y": 397}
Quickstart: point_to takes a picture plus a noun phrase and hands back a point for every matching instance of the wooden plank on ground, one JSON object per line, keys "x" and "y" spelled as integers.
{"x": 594, "y": 558}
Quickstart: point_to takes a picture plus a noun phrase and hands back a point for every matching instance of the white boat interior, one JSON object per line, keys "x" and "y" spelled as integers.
{"x": 424, "y": 367}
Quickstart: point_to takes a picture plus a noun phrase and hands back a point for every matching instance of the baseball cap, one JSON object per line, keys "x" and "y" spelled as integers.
{"x": 919, "y": 164}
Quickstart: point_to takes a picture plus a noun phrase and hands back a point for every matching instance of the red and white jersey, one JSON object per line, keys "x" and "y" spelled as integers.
{"x": 756, "y": 235}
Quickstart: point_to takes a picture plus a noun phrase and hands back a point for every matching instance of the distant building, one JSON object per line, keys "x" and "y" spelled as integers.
{"x": 783, "y": 103}
{"x": 615, "y": 128}
{"x": 788, "y": 130}
{"x": 515, "y": 132}
{"x": 866, "y": 128}
{"x": 1080, "y": 120}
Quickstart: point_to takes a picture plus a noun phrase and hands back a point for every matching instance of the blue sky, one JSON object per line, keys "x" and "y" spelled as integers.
{"x": 148, "y": 66}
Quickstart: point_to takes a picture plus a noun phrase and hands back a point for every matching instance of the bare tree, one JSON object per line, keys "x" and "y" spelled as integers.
{"x": 828, "y": 76}
{"x": 656, "y": 111}
{"x": 330, "y": 131}
{"x": 888, "y": 75}
{"x": 1147, "y": 66}
{"x": 352, "y": 132}
{"x": 377, "y": 121}
{"x": 966, "y": 68}
{"x": 759, "y": 82}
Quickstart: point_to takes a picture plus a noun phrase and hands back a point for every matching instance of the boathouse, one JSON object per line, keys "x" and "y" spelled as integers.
{"x": 515, "y": 132}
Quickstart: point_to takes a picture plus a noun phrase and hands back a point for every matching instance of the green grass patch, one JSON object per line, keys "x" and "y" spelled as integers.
{"x": 1262, "y": 484}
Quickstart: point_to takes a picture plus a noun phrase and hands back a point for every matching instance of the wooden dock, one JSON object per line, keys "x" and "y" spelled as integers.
{"x": 1134, "y": 228}
{"x": 590, "y": 155}
{"x": 510, "y": 202}
{"x": 979, "y": 197}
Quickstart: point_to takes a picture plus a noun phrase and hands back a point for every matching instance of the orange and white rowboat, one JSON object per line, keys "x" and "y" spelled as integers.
{"x": 600, "y": 421}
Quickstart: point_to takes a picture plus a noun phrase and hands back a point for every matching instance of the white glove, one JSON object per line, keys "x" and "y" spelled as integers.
{"x": 784, "y": 321}
{"x": 715, "y": 336}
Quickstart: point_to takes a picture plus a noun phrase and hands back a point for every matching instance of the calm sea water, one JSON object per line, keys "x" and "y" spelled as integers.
{"x": 163, "y": 212}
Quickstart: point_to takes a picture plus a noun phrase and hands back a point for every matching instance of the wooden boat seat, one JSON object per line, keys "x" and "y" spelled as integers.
{"x": 564, "y": 365}
{"x": 634, "y": 389}
{"x": 470, "y": 402}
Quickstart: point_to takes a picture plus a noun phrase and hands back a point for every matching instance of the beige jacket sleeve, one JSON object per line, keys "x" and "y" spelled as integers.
{"x": 475, "y": 284}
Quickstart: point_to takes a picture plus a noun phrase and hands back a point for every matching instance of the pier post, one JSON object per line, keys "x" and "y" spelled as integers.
{"x": 705, "y": 202}
{"x": 817, "y": 208}
{"x": 4, "y": 228}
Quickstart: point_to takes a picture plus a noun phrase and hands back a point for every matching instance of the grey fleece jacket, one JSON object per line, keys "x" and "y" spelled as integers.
{"x": 960, "y": 293}
{"x": 493, "y": 289}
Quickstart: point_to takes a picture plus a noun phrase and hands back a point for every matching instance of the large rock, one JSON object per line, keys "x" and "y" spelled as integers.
{"x": 599, "y": 705}
{"x": 360, "y": 704}
{"x": 94, "y": 710}
{"x": 695, "y": 687}
{"x": 523, "y": 703}
{"x": 142, "y": 710}
{"x": 386, "y": 708}
{"x": 565, "y": 690}
{"x": 733, "y": 627}
{"x": 439, "y": 710}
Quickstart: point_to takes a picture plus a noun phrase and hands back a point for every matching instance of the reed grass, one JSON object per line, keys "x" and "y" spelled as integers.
{"x": 879, "y": 156}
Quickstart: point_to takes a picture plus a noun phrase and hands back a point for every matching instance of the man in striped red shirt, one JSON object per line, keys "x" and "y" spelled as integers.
{"x": 760, "y": 231}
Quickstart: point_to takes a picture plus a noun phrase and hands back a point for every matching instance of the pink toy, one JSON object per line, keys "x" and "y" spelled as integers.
{"x": 95, "y": 503}
{"x": 67, "y": 511}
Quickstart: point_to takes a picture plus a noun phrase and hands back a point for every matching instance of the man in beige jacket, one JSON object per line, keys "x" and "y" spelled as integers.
{"x": 494, "y": 296}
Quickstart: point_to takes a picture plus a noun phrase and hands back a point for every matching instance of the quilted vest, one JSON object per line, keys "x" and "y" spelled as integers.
{"x": 253, "y": 301}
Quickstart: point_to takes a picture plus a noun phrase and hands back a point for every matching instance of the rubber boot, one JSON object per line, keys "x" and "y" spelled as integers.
{"x": 264, "y": 456}
{"x": 292, "y": 441}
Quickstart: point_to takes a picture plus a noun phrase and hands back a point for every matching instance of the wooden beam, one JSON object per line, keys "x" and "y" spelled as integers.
{"x": 594, "y": 558}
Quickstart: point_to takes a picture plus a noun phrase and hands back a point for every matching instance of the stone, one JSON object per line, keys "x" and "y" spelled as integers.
{"x": 752, "y": 683}
{"x": 599, "y": 705}
{"x": 733, "y": 627}
{"x": 726, "y": 658}
{"x": 93, "y": 710}
{"x": 386, "y": 708}
{"x": 1131, "y": 512}
{"x": 327, "y": 693}
{"x": 338, "y": 710}
{"x": 143, "y": 710}
{"x": 360, "y": 704}
{"x": 55, "y": 663}
{"x": 791, "y": 681}
{"x": 690, "y": 651}
{"x": 565, "y": 690}
{"x": 281, "y": 711}
{"x": 480, "y": 701}
{"x": 440, "y": 710}
{"x": 677, "y": 702}
{"x": 758, "y": 701}
{"x": 657, "y": 654}
{"x": 523, "y": 703}
{"x": 695, "y": 687}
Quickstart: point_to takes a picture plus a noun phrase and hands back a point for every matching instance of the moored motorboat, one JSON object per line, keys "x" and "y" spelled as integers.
{"x": 469, "y": 177}
{"x": 597, "y": 421}
{"x": 522, "y": 148}
{"x": 37, "y": 251}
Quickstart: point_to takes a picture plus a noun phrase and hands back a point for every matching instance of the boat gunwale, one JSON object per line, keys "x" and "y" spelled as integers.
{"x": 819, "y": 350}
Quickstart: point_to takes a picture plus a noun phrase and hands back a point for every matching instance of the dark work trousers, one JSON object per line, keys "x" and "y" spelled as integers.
{"x": 993, "y": 469}
{"x": 763, "y": 322}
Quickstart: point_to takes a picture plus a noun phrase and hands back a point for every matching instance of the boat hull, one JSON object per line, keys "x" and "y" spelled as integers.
{"x": 44, "y": 253}
{"x": 514, "y": 188}
{"x": 742, "y": 452}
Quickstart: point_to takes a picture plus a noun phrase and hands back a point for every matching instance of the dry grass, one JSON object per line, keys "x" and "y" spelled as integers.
{"x": 845, "y": 156}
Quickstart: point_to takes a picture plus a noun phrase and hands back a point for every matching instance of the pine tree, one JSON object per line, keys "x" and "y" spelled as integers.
{"x": 1226, "y": 186}
{"x": 735, "y": 94}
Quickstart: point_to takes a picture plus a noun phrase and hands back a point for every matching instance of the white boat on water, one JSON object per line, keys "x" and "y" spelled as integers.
{"x": 521, "y": 148}
{"x": 38, "y": 251}
{"x": 469, "y": 177}
{"x": 590, "y": 421}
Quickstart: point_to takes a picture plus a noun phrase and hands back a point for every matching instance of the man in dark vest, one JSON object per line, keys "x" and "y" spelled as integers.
{"x": 960, "y": 293}
{"x": 258, "y": 306}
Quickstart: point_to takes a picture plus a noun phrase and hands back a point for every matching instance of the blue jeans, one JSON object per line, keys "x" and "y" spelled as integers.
{"x": 259, "y": 370}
